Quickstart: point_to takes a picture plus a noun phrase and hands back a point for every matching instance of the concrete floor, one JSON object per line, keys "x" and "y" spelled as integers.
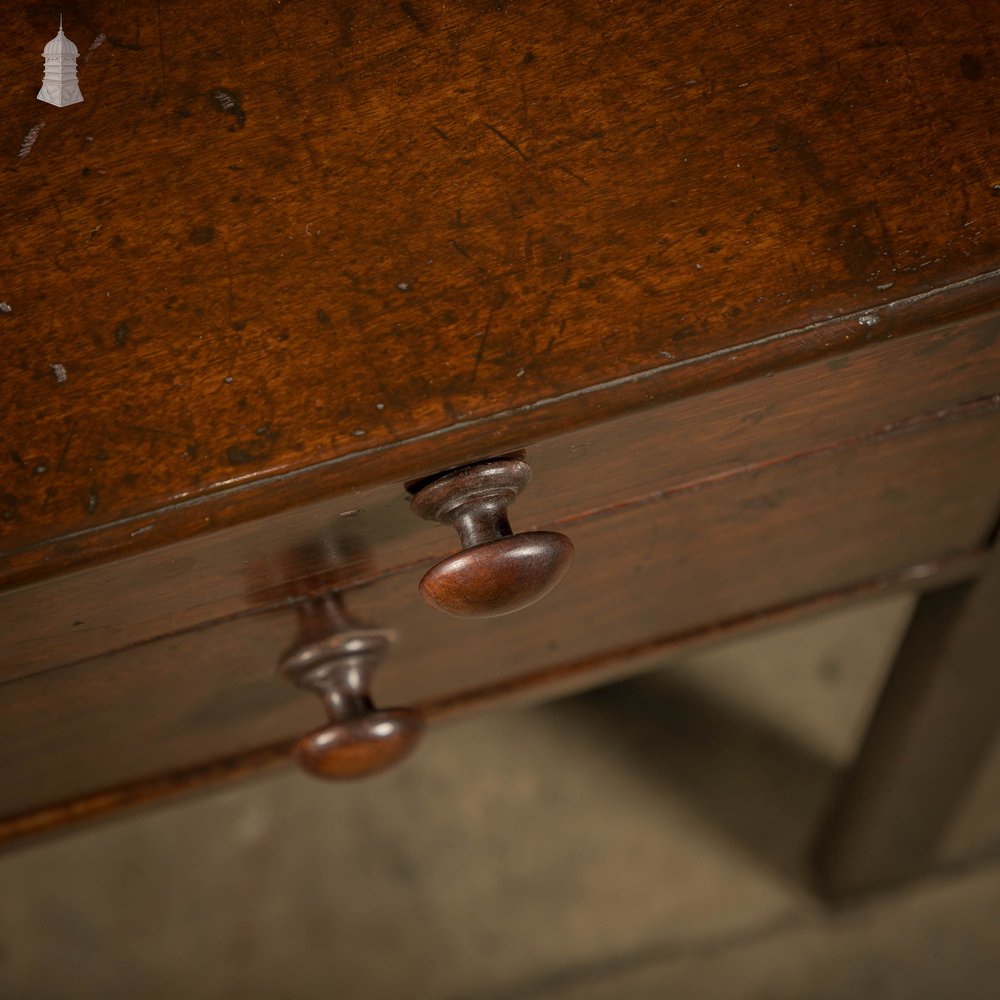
{"x": 642, "y": 841}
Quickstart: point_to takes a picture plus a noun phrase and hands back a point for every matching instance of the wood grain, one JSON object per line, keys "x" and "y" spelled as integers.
{"x": 360, "y": 535}
{"x": 733, "y": 547}
{"x": 564, "y": 678}
{"x": 288, "y": 236}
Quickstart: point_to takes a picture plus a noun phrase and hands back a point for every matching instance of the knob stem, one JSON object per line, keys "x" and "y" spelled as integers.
{"x": 479, "y": 524}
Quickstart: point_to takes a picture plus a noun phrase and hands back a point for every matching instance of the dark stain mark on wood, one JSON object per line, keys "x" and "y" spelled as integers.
{"x": 244, "y": 454}
{"x": 529, "y": 58}
{"x": 438, "y": 131}
{"x": 322, "y": 317}
{"x": 9, "y": 512}
{"x": 971, "y": 67}
{"x": 791, "y": 138}
{"x": 253, "y": 450}
{"x": 117, "y": 43}
{"x": 849, "y": 239}
{"x": 407, "y": 8}
{"x": 121, "y": 334}
{"x": 200, "y": 235}
{"x": 228, "y": 102}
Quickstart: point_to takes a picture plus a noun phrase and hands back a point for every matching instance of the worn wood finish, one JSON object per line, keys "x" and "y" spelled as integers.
{"x": 733, "y": 547}
{"x": 723, "y": 272}
{"x": 286, "y": 236}
{"x": 354, "y": 538}
{"x": 497, "y": 572}
{"x": 561, "y": 679}
{"x": 935, "y": 723}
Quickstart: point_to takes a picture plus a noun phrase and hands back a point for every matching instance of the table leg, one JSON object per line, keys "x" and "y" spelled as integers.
{"x": 932, "y": 728}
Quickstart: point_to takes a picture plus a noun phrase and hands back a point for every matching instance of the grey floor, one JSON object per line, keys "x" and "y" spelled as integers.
{"x": 647, "y": 840}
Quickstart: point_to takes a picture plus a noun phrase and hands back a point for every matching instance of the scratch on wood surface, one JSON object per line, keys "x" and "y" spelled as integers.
{"x": 483, "y": 335}
{"x": 569, "y": 173}
{"x": 230, "y": 292}
{"x": 479, "y": 352}
{"x": 65, "y": 447}
{"x": 159, "y": 40}
{"x": 30, "y": 137}
{"x": 513, "y": 145}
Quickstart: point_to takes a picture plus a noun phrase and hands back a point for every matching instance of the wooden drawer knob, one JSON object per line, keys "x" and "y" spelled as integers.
{"x": 497, "y": 571}
{"x": 335, "y": 660}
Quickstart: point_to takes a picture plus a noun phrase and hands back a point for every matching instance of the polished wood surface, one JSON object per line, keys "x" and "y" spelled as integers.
{"x": 643, "y": 573}
{"x": 352, "y": 539}
{"x": 562, "y": 679}
{"x": 727, "y": 277}
{"x": 497, "y": 572}
{"x": 289, "y": 237}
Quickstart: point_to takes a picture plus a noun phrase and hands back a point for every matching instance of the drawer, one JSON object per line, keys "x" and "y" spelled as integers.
{"x": 681, "y": 445}
{"x": 645, "y": 569}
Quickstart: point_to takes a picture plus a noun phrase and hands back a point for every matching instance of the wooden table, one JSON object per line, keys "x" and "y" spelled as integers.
{"x": 724, "y": 276}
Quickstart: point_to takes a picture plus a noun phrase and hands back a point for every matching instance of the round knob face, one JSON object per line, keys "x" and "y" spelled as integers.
{"x": 498, "y": 577}
{"x": 359, "y": 747}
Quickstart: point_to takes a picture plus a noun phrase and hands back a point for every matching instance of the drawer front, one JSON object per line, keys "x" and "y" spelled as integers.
{"x": 643, "y": 571}
{"x": 668, "y": 448}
